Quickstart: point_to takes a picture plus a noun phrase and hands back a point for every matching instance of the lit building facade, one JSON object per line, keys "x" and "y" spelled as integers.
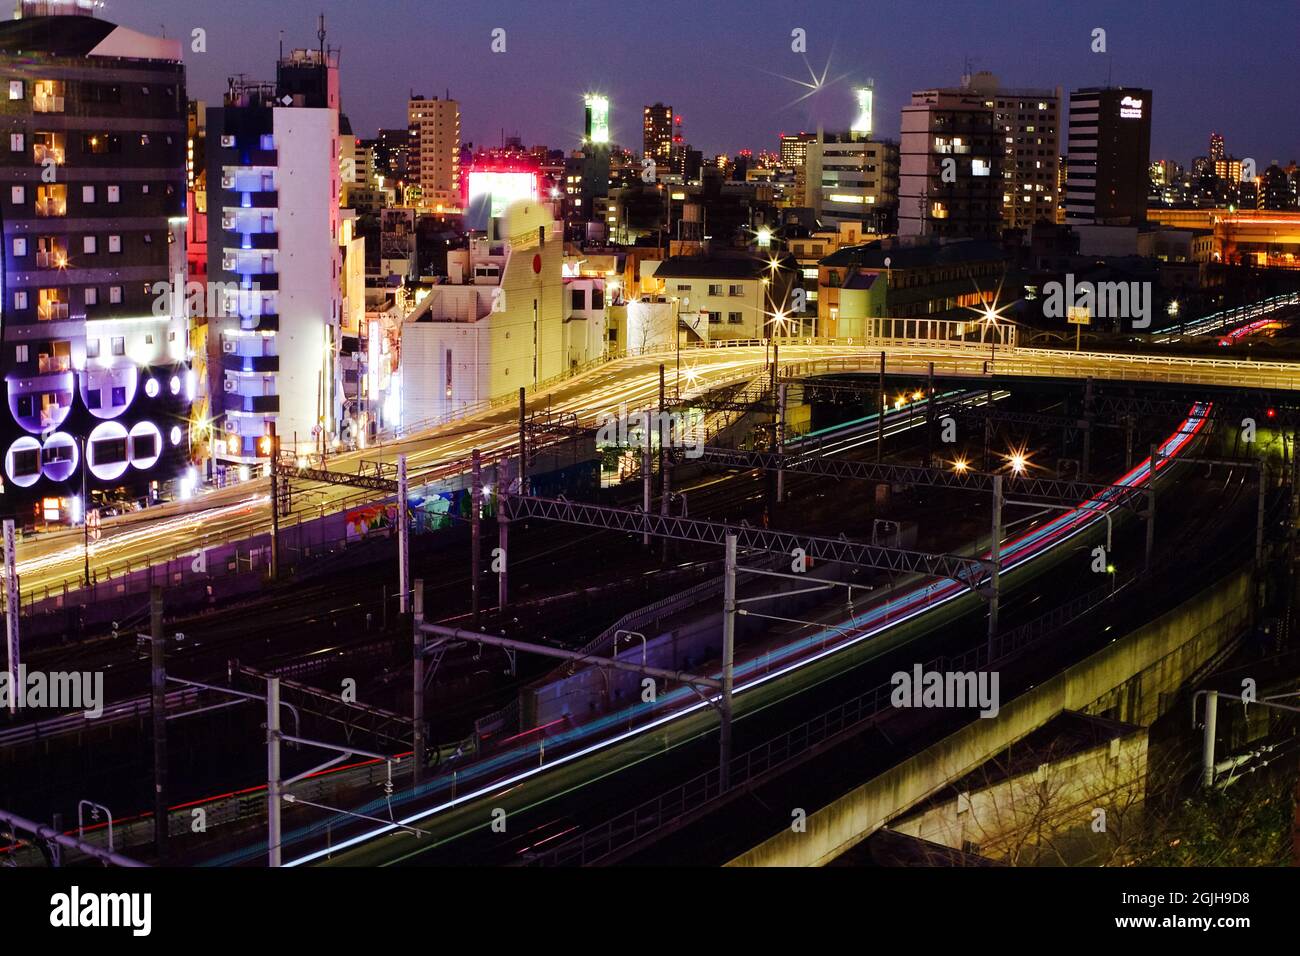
{"x": 276, "y": 254}
{"x": 435, "y": 143}
{"x": 1110, "y": 156}
{"x": 950, "y": 166}
{"x": 95, "y": 346}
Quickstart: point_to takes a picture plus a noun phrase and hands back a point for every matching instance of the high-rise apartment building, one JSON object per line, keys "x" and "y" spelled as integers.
{"x": 92, "y": 204}
{"x": 794, "y": 148}
{"x": 1216, "y": 146}
{"x": 950, "y": 165}
{"x": 273, "y": 181}
{"x": 435, "y": 162}
{"x": 1110, "y": 155}
{"x": 1029, "y": 124}
{"x": 657, "y": 133}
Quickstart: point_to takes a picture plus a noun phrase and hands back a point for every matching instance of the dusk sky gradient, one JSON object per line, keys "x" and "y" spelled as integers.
{"x": 1210, "y": 65}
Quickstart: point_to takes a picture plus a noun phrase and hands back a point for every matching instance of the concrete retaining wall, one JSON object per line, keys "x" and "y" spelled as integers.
{"x": 1134, "y": 672}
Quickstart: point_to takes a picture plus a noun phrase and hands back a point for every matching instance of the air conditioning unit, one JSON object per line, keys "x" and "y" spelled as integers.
{"x": 227, "y": 182}
{"x": 229, "y": 346}
{"x": 227, "y": 140}
{"x": 228, "y": 263}
{"x": 231, "y": 385}
{"x": 231, "y": 425}
{"x": 227, "y": 222}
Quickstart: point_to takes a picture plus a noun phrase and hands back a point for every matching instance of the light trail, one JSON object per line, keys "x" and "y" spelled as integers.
{"x": 791, "y": 657}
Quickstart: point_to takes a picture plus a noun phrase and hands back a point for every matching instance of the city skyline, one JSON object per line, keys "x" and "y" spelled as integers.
{"x": 534, "y": 88}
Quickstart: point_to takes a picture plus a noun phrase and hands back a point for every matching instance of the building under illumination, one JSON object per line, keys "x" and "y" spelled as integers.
{"x": 435, "y": 149}
{"x": 1110, "y": 156}
{"x": 1029, "y": 122}
{"x": 657, "y": 134}
{"x": 93, "y": 207}
{"x": 498, "y": 322}
{"x": 950, "y": 166}
{"x": 274, "y": 243}
{"x": 849, "y": 178}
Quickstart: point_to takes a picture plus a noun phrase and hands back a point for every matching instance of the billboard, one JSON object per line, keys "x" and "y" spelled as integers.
{"x": 499, "y": 188}
{"x": 862, "y": 122}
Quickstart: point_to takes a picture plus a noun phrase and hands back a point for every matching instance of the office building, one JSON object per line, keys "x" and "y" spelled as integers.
{"x": 1110, "y": 155}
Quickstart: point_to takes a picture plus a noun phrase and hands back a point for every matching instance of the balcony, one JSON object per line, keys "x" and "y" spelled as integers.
{"x": 251, "y": 240}
{"x": 260, "y": 323}
{"x": 250, "y": 363}
{"x": 54, "y": 259}
{"x": 48, "y": 364}
{"x": 51, "y": 207}
{"x": 52, "y": 311}
{"x": 47, "y": 154}
{"x": 255, "y": 404}
{"x": 47, "y": 104}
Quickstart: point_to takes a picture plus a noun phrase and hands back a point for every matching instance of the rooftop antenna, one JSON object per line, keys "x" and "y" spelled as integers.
{"x": 320, "y": 35}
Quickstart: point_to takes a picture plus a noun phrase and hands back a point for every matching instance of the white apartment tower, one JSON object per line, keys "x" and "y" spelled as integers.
{"x": 273, "y": 175}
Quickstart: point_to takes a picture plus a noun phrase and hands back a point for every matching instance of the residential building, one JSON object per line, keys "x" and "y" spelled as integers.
{"x": 853, "y": 179}
{"x": 1029, "y": 123}
{"x": 273, "y": 174}
{"x": 496, "y": 325}
{"x": 435, "y": 160}
{"x": 733, "y": 295}
{"x": 861, "y": 285}
{"x": 950, "y": 165}
{"x": 92, "y": 202}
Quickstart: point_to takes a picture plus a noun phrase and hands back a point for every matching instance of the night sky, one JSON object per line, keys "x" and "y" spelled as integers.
{"x": 1211, "y": 65}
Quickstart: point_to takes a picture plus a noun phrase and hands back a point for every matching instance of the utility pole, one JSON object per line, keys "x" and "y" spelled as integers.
{"x": 475, "y": 530}
{"x": 158, "y": 687}
{"x": 664, "y": 435}
{"x": 403, "y": 539}
{"x": 880, "y": 416}
{"x": 1087, "y": 430}
{"x": 1207, "y": 747}
{"x": 780, "y": 441}
{"x": 13, "y": 608}
{"x": 523, "y": 444}
{"x": 417, "y": 689}
{"x": 995, "y": 550}
{"x": 728, "y": 663}
{"x": 647, "y": 476}
{"x": 929, "y": 418}
{"x": 275, "y": 509}
{"x": 273, "y": 770}
{"x": 1151, "y": 505}
{"x": 503, "y": 532}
